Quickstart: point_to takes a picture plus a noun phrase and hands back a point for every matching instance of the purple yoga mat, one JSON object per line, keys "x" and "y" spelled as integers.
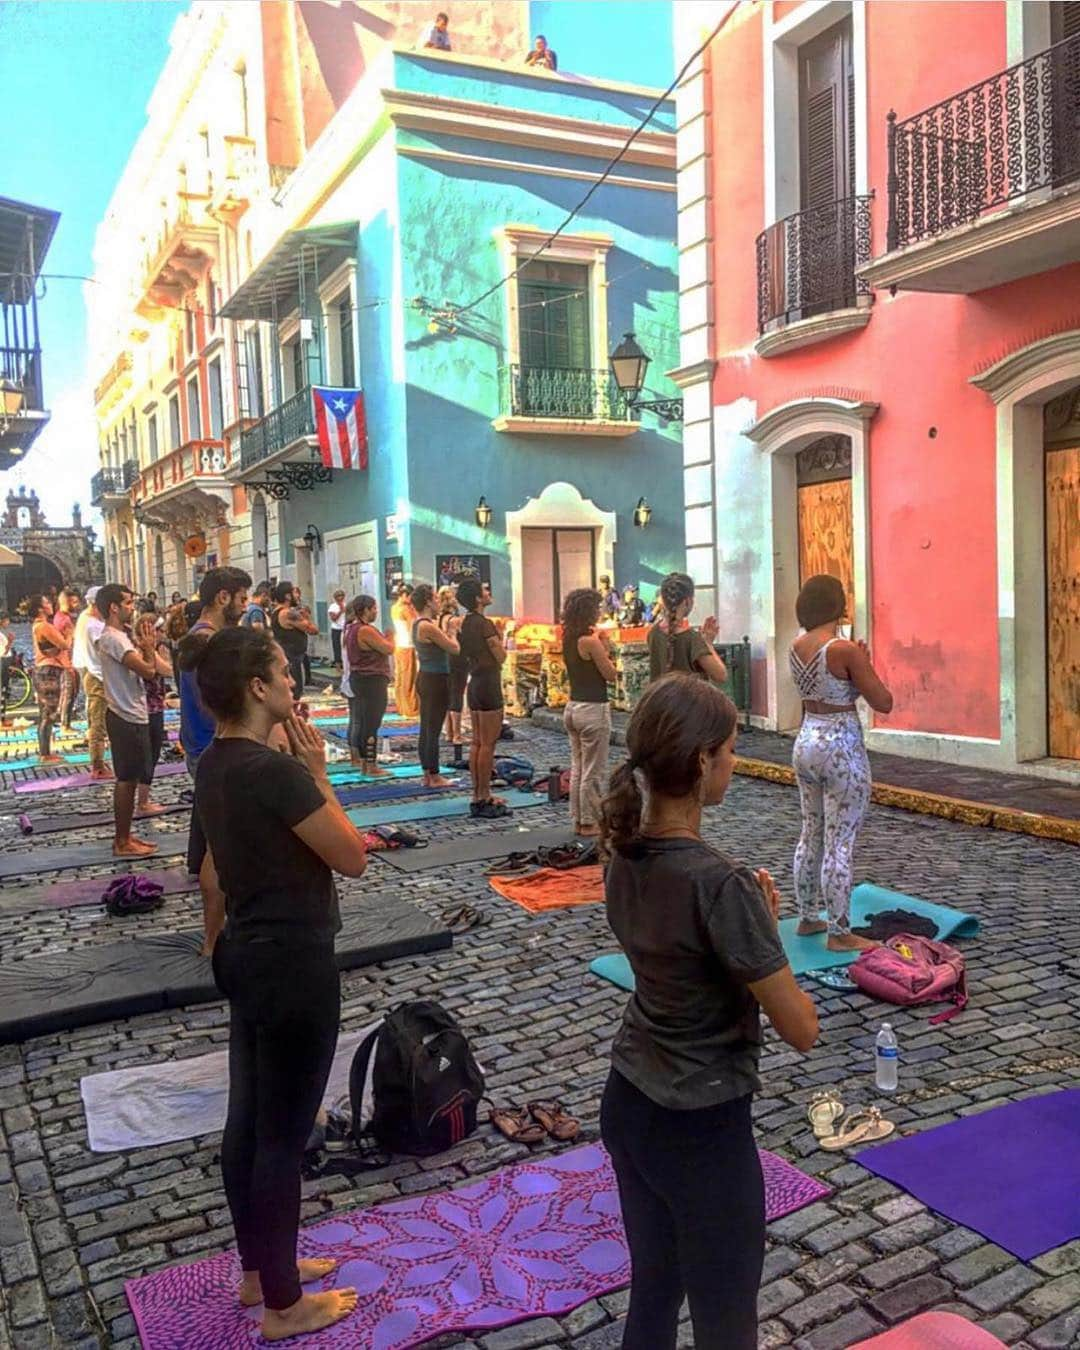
{"x": 1012, "y": 1173}
{"x": 88, "y": 890}
{"x": 81, "y": 780}
{"x": 533, "y": 1240}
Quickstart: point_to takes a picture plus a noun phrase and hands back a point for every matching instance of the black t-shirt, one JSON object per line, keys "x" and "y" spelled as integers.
{"x": 473, "y": 640}
{"x": 696, "y": 930}
{"x": 248, "y": 799}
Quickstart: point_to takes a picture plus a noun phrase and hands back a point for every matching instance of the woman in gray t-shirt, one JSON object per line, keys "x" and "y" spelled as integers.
{"x": 700, "y": 933}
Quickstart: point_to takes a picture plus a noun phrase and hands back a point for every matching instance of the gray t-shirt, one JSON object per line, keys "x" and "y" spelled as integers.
{"x": 696, "y": 930}
{"x": 125, "y": 692}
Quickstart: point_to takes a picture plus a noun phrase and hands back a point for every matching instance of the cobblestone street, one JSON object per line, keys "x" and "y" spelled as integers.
{"x": 74, "y": 1225}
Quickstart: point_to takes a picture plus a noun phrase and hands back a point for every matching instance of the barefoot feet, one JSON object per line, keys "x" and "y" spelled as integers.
{"x": 435, "y": 780}
{"x": 808, "y": 927}
{"x": 133, "y": 848}
{"x": 315, "y": 1268}
{"x": 848, "y": 942}
{"x": 150, "y": 809}
{"x": 311, "y": 1312}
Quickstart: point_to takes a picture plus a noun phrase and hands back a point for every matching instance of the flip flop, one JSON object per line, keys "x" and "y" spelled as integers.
{"x": 514, "y": 1123}
{"x": 464, "y": 919}
{"x": 555, "y": 1120}
{"x": 864, "y": 1127}
{"x": 824, "y": 1111}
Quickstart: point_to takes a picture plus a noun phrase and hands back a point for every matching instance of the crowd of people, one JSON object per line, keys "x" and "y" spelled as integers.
{"x": 699, "y": 928}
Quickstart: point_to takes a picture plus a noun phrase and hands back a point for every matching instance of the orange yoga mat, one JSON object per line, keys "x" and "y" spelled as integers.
{"x": 550, "y": 888}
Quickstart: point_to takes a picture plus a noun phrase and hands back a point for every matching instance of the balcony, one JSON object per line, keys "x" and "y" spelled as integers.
{"x": 807, "y": 285}
{"x": 115, "y": 381}
{"x": 285, "y": 427}
{"x": 233, "y": 186}
{"x": 112, "y": 484}
{"x": 177, "y": 258}
{"x": 196, "y": 464}
{"x": 556, "y": 402}
{"x": 984, "y": 187}
{"x": 22, "y": 416}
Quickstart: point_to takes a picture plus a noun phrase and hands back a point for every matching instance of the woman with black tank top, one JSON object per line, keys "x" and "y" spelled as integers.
{"x": 700, "y": 932}
{"x": 369, "y": 678}
{"x": 433, "y": 652}
{"x": 673, "y": 644}
{"x": 587, "y": 718}
{"x": 276, "y": 834}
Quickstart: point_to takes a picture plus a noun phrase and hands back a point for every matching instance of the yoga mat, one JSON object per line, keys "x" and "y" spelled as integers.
{"x": 809, "y": 954}
{"x": 549, "y": 888}
{"x": 348, "y": 773}
{"x": 479, "y": 847}
{"x": 1011, "y": 1173}
{"x": 405, "y": 729}
{"x": 536, "y": 1239}
{"x": 34, "y": 762}
{"x": 381, "y": 791}
{"x": 34, "y": 862}
{"x": 60, "y": 991}
{"x": 436, "y": 807}
{"x": 86, "y": 890}
{"x": 97, "y": 821}
{"x": 81, "y": 780}
{"x": 933, "y": 1331}
{"x": 153, "y": 1104}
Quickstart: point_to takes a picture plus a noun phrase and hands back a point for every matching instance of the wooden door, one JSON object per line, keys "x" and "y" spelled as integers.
{"x": 825, "y": 535}
{"x": 1063, "y": 601}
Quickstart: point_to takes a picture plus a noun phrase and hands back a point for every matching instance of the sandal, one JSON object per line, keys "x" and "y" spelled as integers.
{"x": 464, "y": 919}
{"x": 555, "y": 1121}
{"x": 864, "y": 1127}
{"x": 514, "y": 1123}
{"x": 824, "y": 1111}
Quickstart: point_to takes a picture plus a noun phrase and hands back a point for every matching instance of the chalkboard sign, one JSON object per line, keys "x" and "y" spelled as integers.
{"x": 453, "y": 568}
{"x": 393, "y": 574}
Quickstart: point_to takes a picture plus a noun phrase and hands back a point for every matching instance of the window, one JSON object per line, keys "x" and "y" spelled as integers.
{"x": 827, "y": 117}
{"x": 211, "y": 303}
{"x": 217, "y": 421}
{"x": 189, "y": 332}
{"x": 345, "y": 339}
{"x": 174, "y": 422}
{"x": 296, "y": 356}
{"x": 151, "y": 436}
{"x": 193, "y": 412}
{"x": 553, "y": 310}
{"x": 253, "y": 372}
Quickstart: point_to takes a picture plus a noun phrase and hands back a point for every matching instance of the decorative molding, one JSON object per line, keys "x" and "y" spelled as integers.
{"x": 1005, "y": 377}
{"x": 564, "y": 426}
{"x": 559, "y": 506}
{"x": 820, "y": 328}
{"x": 520, "y": 166}
{"x": 824, "y": 460}
{"x": 804, "y": 420}
{"x": 697, "y": 372}
{"x": 527, "y": 72}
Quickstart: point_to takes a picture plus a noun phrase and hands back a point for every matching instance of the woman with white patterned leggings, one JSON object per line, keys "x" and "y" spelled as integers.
{"x": 830, "y": 761}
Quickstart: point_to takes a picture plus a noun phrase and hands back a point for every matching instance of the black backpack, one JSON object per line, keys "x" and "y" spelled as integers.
{"x": 426, "y": 1083}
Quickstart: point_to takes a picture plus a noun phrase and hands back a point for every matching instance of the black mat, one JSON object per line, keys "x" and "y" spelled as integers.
{"x": 44, "y": 994}
{"x": 85, "y": 820}
{"x": 35, "y": 861}
{"x": 475, "y": 848}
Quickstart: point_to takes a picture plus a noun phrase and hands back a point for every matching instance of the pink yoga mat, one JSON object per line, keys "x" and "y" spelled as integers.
{"x": 81, "y": 780}
{"x": 533, "y": 1240}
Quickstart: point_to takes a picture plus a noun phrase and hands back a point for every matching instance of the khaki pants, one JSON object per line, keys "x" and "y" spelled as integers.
{"x": 95, "y": 715}
{"x": 406, "y": 699}
{"x": 589, "y": 727}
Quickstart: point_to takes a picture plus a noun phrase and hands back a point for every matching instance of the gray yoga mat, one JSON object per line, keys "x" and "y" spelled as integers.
{"x": 96, "y": 820}
{"x": 88, "y": 890}
{"x": 86, "y": 855}
{"x": 475, "y": 848}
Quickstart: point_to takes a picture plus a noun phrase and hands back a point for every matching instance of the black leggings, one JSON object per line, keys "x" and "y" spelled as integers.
{"x": 369, "y": 709}
{"x": 284, "y": 1009}
{"x": 157, "y": 737}
{"x": 693, "y": 1205}
{"x": 434, "y": 692}
{"x": 296, "y": 676}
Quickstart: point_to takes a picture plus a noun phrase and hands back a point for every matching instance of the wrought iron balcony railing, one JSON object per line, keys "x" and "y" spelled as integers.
{"x": 1007, "y": 136}
{"x": 20, "y": 371}
{"x": 113, "y": 482}
{"x": 288, "y": 422}
{"x": 806, "y": 263}
{"x": 576, "y": 395}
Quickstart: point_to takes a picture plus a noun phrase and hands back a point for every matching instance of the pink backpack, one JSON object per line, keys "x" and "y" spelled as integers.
{"x": 910, "y": 970}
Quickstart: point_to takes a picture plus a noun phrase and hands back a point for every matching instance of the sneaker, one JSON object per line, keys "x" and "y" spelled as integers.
{"x": 474, "y": 808}
{"x": 492, "y": 810}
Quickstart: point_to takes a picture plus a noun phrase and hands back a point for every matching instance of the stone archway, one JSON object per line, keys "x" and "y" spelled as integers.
{"x": 36, "y": 576}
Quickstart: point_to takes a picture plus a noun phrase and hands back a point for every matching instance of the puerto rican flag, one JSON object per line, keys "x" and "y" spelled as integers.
{"x": 341, "y": 427}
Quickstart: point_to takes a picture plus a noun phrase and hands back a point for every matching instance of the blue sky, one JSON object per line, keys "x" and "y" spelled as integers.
{"x": 77, "y": 75}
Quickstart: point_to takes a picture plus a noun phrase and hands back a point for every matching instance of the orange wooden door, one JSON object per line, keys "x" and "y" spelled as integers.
{"x": 1063, "y": 601}
{"x": 825, "y": 535}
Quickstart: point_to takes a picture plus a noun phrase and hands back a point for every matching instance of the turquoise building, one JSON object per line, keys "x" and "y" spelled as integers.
{"x": 497, "y": 439}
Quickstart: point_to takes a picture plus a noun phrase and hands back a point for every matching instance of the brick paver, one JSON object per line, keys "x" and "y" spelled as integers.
{"x": 74, "y": 1225}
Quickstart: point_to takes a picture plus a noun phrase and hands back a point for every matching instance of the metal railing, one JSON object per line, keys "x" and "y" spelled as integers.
{"x": 1009, "y": 135}
{"x": 288, "y": 422}
{"x": 576, "y": 395}
{"x": 113, "y": 482}
{"x": 806, "y": 263}
{"x": 20, "y": 368}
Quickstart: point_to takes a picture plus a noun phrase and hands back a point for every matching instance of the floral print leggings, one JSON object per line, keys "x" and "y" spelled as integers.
{"x": 833, "y": 774}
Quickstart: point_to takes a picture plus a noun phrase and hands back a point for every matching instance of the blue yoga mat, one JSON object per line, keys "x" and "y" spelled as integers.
{"x": 405, "y": 729}
{"x": 384, "y": 792}
{"x": 348, "y": 773}
{"x": 13, "y": 765}
{"x": 808, "y": 954}
{"x": 434, "y": 808}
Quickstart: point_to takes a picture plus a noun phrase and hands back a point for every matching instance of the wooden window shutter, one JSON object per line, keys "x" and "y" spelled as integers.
{"x": 1064, "y": 20}
{"x": 554, "y": 332}
{"x": 827, "y": 117}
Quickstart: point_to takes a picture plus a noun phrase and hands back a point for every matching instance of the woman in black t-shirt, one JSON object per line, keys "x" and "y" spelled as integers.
{"x": 700, "y": 933}
{"x": 482, "y": 648}
{"x": 275, "y": 830}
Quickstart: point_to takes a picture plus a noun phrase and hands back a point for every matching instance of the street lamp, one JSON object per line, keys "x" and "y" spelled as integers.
{"x": 313, "y": 539}
{"x": 642, "y": 513}
{"x": 483, "y": 513}
{"x": 628, "y": 366}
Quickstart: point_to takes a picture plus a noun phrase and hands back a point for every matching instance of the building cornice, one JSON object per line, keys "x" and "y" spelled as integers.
{"x": 697, "y": 372}
{"x": 528, "y": 72}
{"x": 1011, "y": 373}
{"x": 523, "y": 166}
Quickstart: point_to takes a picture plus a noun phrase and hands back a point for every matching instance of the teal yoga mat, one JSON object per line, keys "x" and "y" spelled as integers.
{"x": 808, "y": 954}
{"x": 14, "y": 765}
{"x": 433, "y": 808}
{"x": 342, "y": 774}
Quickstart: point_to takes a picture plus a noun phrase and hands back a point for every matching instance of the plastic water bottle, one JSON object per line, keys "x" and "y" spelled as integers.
{"x": 886, "y": 1059}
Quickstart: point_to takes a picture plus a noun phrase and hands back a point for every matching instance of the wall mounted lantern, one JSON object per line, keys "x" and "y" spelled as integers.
{"x": 642, "y": 513}
{"x": 628, "y": 366}
{"x": 313, "y": 539}
{"x": 483, "y": 513}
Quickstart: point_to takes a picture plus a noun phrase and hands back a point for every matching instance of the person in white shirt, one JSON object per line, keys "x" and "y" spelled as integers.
{"x": 336, "y": 614}
{"x": 88, "y": 628}
{"x": 7, "y": 646}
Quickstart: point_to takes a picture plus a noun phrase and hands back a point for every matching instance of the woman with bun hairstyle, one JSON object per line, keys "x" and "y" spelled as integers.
{"x": 700, "y": 932}
{"x": 277, "y": 834}
{"x": 830, "y": 760}
{"x": 673, "y": 644}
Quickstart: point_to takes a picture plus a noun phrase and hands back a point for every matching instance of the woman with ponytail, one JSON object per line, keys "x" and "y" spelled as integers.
{"x": 700, "y": 932}
{"x": 589, "y": 670}
{"x": 673, "y": 644}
